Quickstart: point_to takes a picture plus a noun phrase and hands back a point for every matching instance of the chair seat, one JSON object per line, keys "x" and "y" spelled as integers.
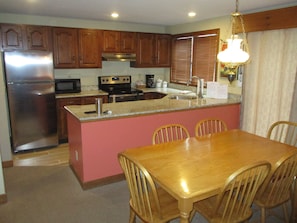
{"x": 206, "y": 209}
{"x": 169, "y": 207}
{"x": 266, "y": 200}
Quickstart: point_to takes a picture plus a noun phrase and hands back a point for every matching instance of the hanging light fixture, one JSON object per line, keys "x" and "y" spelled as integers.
{"x": 237, "y": 52}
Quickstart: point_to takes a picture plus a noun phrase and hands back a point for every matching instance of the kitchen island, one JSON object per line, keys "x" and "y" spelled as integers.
{"x": 95, "y": 140}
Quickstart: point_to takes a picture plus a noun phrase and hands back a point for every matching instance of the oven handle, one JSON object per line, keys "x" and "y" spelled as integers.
{"x": 121, "y": 95}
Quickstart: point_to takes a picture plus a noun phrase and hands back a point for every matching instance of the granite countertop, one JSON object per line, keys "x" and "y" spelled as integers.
{"x": 142, "y": 107}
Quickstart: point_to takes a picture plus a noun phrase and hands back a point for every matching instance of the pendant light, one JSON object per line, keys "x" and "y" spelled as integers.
{"x": 237, "y": 52}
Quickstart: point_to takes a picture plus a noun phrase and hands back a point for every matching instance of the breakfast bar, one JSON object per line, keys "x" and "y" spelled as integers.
{"x": 95, "y": 140}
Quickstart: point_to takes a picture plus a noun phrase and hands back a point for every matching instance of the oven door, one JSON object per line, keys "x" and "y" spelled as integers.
{"x": 124, "y": 97}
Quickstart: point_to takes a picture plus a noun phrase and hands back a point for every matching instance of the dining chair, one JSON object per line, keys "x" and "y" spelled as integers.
{"x": 233, "y": 203}
{"x": 277, "y": 188}
{"x": 148, "y": 202}
{"x": 283, "y": 131}
{"x": 209, "y": 126}
{"x": 170, "y": 132}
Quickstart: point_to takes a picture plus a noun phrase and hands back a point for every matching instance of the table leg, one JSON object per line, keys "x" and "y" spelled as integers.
{"x": 185, "y": 211}
{"x": 184, "y": 217}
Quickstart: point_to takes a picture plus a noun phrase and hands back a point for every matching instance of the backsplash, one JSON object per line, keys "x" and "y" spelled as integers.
{"x": 89, "y": 77}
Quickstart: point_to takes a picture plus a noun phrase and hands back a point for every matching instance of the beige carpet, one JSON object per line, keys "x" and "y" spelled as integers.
{"x": 53, "y": 195}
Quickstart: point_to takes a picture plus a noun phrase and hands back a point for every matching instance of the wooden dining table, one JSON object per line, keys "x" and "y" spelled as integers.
{"x": 196, "y": 168}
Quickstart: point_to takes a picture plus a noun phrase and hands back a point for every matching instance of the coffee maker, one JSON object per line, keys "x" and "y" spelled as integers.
{"x": 149, "y": 80}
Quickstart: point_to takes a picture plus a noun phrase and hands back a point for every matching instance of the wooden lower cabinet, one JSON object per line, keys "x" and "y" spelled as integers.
{"x": 61, "y": 112}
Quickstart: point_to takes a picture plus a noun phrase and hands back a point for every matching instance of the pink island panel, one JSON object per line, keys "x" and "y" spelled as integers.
{"x": 94, "y": 145}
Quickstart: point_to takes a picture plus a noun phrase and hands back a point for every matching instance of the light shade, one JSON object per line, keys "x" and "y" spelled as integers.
{"x": 233, "y": 54}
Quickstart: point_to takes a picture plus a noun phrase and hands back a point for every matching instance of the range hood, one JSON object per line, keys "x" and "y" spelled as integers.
{"x": 118, "y": 57}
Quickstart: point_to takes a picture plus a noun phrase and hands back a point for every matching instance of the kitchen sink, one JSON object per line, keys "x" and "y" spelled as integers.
{"x": 183, "y": 97}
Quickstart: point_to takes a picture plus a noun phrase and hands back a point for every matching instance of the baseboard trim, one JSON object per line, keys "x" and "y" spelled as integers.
{"x": 99, "y": 182}
{"x": 3, "y": 198}
{"x": 6, "y": 164}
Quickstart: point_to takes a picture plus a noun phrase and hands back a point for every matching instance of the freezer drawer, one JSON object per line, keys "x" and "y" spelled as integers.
{"x": 33, "y": 115}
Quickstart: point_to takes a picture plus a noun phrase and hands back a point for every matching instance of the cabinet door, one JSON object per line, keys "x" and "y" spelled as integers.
{"x": 38, "y": 38}
{"x": 62, "y": 116}
{"x": 128, "y": 42}
{"x": 91, "y": 99}
{"x": 146, "y": 52}
{"x": 65, "y": 47}
{"x": 12, "y": 37}
{"x": 163, "y": 50}
{"x": 90, "y": 48}
{"x": 111, "y": 41}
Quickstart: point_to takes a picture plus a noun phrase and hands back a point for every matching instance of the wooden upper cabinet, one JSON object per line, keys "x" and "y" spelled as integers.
{"x": 119, "y": 42}
{"x": 90, "y": 48}
{"x": 163, "y": 50}
{"x": 154, "y": 50}
{"x": 25, "y": 37}
{"x": 12, "y": 37}
{"x": 65, "y": 47}
{"x": 38, "y": 38}
{"x": 74, "y": 48}
{"x": 145, "y": 54}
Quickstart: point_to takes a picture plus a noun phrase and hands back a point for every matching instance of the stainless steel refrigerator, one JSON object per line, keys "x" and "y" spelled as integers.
{"x": 31, "y": 99}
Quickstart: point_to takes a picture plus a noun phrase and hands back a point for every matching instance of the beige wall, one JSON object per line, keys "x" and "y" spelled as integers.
{"x": 2, "y": 186}
{"x": 4, "y": 135}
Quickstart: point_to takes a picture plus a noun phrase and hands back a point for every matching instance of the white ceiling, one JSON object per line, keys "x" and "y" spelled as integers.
{"x": 155, "y": 12}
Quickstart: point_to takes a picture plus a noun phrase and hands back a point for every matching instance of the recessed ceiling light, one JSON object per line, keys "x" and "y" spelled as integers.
{"x": 192, "y": 14}
{"x": 114, "y": 15}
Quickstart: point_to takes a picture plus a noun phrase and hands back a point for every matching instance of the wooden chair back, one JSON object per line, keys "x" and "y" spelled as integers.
{"x": 169, "y": 133}
{"x": 235, "y": 200}
{"x": 277, "y": 188}
{"x": 284, "y": 132}
{"x": 145, "y": 197}
{"x": 210, "y": 126}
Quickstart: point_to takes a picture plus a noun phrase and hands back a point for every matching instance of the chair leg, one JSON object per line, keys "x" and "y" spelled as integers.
{"x": 192, "y": 214}
{"x": 263, "y": 215}
{"x": 132, "y": 218}
{"x": 293, "y": 217}
{"x": 285, "y": 210}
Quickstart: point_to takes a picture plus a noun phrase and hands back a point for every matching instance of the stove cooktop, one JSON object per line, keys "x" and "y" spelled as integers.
{"x": 117, "y": 85}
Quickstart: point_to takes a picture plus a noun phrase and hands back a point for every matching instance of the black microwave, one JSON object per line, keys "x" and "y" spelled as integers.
{"x": 63, "y": 86}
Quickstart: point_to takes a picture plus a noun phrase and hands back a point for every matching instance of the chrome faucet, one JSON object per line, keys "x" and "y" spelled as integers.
{"x": 199, "y": 92}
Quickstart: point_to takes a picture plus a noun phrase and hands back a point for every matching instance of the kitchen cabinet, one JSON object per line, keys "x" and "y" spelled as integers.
{"x": 119, "y": 42}
{"x": 12, "y": 37}
{"x": 153, "y": 50}
{"x": 61, "y": 112}
{"x": 25, "y": 37}
{"x": 90, "y": 48}
{"x": 77, "y": 48}
{"x": 38, "y": 38}
{"x": 65, "y": 47}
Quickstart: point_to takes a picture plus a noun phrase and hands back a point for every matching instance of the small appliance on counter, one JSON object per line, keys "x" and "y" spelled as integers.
{"x": 149, "y": 80}
{"x": 63, "y": 86}
{"x": 159, "y": 83}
